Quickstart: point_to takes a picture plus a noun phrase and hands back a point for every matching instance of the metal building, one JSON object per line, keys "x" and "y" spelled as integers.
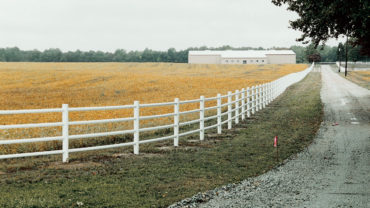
{"x": 242, "y": 57}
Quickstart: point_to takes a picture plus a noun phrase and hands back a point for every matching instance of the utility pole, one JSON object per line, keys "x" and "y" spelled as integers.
{"x": 345, "y": 71}
{"x": 340, "y": 58}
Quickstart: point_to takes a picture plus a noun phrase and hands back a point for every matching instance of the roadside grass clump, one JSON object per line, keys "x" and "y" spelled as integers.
{"x": 162, "y": 174}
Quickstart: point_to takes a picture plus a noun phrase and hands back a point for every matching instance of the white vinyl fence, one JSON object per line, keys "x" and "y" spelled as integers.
{"x": 241, "y": 103}
{"x": 352, "y": 68}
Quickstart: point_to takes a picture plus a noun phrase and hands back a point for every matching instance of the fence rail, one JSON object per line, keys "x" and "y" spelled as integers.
{"x": 240, "y": 105}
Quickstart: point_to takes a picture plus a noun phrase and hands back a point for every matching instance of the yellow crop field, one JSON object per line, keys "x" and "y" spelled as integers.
{"x": 49, "y": 85}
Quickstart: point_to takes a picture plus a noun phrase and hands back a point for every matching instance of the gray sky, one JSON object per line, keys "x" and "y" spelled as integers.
{"x": 138, "y": 24}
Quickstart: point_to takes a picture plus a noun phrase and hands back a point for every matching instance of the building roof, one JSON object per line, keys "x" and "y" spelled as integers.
{"x": 280, "y": 52}
{"x": 243, "y": 54}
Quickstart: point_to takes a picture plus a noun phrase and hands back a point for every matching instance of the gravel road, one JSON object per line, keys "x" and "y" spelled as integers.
{"x": 334, "y": 171}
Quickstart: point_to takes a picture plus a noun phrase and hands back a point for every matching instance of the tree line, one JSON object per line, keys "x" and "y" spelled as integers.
{"x": 304, "y": 54}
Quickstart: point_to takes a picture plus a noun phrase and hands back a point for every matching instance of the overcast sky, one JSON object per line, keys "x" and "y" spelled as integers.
{"x": 138, "y": 24}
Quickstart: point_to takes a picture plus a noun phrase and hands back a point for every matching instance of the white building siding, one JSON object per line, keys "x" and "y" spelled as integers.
{"x": 244, "y": 61}
{"x": 281, "y": 59}
{"x": 242, "y": 57}
{"x": 204, "y": 59}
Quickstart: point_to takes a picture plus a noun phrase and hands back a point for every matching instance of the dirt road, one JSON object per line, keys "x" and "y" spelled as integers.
{"x": 333, "y": 172}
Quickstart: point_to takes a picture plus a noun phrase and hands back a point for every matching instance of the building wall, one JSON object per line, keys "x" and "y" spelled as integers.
{"x": 204, "y": 59}
{"x": 217, "y": 59}
{"x": 281, "y": 58}
{"x": 244, "y": 61}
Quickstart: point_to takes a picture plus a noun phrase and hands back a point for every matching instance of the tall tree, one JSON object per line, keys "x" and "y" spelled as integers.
{"x": 300, "y": 53}
{"x": 119, "y": 55}
{"x": 312, "y": 55}
{"x": 354, "y": 52}
{"x": 12, "y": 54}
{"x": 51, "y": 55}
{"x": 320, "y": 20}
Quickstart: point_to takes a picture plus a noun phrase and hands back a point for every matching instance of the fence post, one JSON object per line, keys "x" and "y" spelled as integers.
{"x": 219, "y": 102}
{"x": 176, "y": 121}
{"x": 279, "y": 88}
{"x": 136, "y": 126}
{"x": 237, "y": 106}
{"x": 261, "y": 97}
{"x": 268, "y": 93}
{"x": 243, "y": 104}
{"x": 253, "y": 99}
{"x": 65, "y": 132}
{"x": 201, "y": 117}
{"x": 271, "y": 91}
{"x": 264, "y": 96}
{"x": 257, "y": 97}
{"x": 248, "y": 103}
{"x": 229, "y": 108}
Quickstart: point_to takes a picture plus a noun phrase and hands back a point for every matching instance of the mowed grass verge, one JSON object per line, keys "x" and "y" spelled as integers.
{"x": 361, "y": 78}
{"x": 161, "y": 176}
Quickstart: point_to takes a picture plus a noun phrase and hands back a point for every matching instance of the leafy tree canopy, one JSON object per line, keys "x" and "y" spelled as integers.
{"x": 320, "y": 20}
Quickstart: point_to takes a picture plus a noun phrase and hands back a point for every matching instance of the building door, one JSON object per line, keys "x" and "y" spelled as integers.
{"x": 244, "y": 61}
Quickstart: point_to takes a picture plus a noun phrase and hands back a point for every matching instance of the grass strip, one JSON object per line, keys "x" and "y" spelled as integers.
{"x": 361, "y": 78}
{"x": 162, "y": 175}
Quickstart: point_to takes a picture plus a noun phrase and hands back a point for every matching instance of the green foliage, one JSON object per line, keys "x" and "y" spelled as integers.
{"x": 320, "y": 20}
{"x": 354, "y": 53}
{"x": 311, "y": 54}
{"x": 300, "y": 53}
{"x": 120, "y": 55}
{"x": 327, "y": 54}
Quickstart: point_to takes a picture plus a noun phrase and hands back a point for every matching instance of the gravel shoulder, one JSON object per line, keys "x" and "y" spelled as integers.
{"x": 331, "y": 172}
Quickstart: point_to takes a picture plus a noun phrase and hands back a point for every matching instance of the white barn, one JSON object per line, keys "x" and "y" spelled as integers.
{"x": 242, "y": 57}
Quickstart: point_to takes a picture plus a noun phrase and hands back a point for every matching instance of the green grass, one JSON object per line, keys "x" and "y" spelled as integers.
{"x": 161, "y": 176}
{"x": 361, "y": 78}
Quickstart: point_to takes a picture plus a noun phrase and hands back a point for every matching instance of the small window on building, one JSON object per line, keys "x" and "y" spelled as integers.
{"x": 263, "y": 60}
{"x": 244, "y": 61}
{"x": 226, "y": 61}
{"x": 257, "y": 61}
